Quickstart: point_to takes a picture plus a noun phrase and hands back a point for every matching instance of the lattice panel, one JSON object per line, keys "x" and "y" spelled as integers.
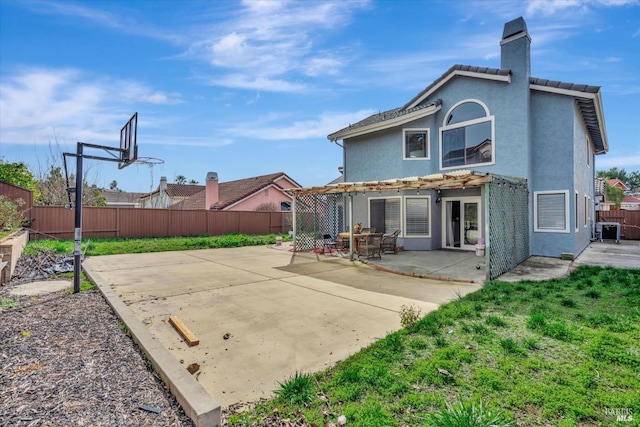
{"x": 315, "y": 216}
{"x": 508, "y": 225}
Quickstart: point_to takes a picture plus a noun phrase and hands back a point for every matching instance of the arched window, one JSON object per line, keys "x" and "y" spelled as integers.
{"x": 466, "y": 138}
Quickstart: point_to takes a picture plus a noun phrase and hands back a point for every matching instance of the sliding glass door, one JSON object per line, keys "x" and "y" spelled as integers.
{"x": 461, "y": 222}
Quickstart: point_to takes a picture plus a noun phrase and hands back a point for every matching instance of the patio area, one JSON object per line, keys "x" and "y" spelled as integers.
{"x": 442, "y": 264}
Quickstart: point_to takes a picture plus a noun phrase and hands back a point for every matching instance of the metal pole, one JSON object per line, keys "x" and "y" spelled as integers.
{"x": 77, "y": 253}
{"x": 294, "y": 222}
{"x": 351, "y": 242}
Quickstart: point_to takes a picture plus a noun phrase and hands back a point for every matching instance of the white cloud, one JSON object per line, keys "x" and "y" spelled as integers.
{"x": 187, "y": 141}
{"x": 550, "y": 7}
{"x": 315, "y": 127}
{"x": 270, "y": 45}
{"x": 242, "y": 81}
{"x": 39, "y": 105}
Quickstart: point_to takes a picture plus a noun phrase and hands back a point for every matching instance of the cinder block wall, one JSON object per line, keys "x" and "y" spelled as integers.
{"x": 10, "y": 250}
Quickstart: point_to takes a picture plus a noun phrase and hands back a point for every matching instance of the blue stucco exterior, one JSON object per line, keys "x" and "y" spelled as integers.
{"x": 538, "y": 135}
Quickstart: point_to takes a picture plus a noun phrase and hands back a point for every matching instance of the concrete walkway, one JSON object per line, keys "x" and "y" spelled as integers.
{"x": 280, "y": 313}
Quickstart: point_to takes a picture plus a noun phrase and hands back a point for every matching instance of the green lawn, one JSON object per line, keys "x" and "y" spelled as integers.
{"x": 555, "y": 353}
{"x": 113, "y": 246}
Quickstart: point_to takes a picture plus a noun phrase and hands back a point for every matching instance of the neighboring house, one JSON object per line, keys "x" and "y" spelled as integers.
{"x": 168, "y": 194}
{"x": 630, "y": 203}
{"x": 469, "y": 140}
{"x": 266, "y": 192}
{"x": 619, "y": 184}
{"x": 121, "y": 199}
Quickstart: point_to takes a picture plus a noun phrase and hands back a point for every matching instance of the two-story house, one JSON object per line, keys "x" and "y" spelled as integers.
{"x": 481, "y": 154}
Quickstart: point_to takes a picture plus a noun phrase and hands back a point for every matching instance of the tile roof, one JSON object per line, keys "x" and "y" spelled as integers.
{"x": 232, "y": 191}
{"x": 616, "y": 182}
{"x": 630, "y": 199}
{"x": 183, "y": 190}
{"x": 453, "y": 69}
{"x": 121, "y": 197}
{"x": 383, "y": 117}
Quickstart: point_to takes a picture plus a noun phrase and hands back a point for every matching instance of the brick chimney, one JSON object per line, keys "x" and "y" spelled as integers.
{"x": 211, "y": 191}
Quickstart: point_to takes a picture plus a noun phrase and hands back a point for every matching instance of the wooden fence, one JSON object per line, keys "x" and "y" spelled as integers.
{"x": 58, "y": 222}
{"x": 54, "y": 221}
{"x": 628, "y": 220}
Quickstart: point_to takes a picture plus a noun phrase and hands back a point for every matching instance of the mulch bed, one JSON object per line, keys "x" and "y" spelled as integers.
{"x": 64, "y": 360}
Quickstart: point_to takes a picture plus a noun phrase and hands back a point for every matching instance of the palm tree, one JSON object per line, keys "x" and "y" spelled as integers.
{"x": 181, "y": 179}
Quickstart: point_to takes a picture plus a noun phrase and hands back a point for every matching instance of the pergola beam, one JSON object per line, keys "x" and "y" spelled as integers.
{"x": 456, "y": 179}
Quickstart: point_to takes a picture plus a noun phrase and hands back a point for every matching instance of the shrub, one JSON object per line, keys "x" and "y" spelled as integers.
{"x": 11, "y": 217}
{"x": 409, "y": 315}
{"x": 468, "y": 415}
{"x": 296, "y": 390}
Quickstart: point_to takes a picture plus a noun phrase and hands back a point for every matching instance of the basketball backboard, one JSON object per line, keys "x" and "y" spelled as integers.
{"x": 128, "y": 142}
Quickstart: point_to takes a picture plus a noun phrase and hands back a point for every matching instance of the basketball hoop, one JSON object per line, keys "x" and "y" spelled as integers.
{"x": 148, "y": 161}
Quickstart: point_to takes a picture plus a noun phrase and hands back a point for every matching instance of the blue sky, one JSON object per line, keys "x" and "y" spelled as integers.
{"x": 246, "y": 88}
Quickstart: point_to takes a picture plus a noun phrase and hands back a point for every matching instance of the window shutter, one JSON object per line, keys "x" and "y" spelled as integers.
{"x": 551, "y": 211}
{"x": 392, "y": 216}
{"x": 417, "y": 216}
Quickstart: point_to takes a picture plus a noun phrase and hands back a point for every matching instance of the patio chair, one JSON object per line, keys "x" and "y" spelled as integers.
{"x": 388, "y": 243}
{"x": 369, "y": 246}
{"x": 329, "y": 243}
{"x": 368, "y": 230}
{"x": 342, "y": 243}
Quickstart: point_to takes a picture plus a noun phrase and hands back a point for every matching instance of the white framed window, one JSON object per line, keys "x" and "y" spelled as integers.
{"x": 577, "y": 211}
{"x": 415, "y": 144}
{"x": 551, "y": 211}
{"x": 588, "y": 153}
{"x": 586, "y": 210}
{"x": 385, "y": 214}
{"x": 417, "y": 217}
{"x": 467, "y": 136}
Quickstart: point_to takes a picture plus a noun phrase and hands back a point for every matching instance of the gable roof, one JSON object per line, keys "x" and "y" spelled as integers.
{"x": 416, "y": 108}
{"x": 615, "y": 182}
{"x": 176, "y": 191}
{"x": 631, "y": 199}
{"x": 232, "y": 192}
{"x": 114, "y": 197}
{"x": 183, "y": 190}
{"x": 587, "y": 98}
{"x": 589, "y": 103}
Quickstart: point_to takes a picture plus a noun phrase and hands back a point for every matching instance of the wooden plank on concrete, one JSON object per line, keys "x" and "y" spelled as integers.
{"x": 186, "y": 333}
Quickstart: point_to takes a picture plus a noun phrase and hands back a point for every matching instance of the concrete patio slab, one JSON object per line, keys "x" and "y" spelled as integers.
{"x": 625, "y": 254}
{"x": 280, "y": 317}
{"x": 41, "y": 287}
{"x": 440, "y": 264}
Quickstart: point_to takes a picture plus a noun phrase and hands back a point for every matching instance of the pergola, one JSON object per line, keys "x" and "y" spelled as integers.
{"x": 455, "y": 179}
{"x": 506, "y": 211}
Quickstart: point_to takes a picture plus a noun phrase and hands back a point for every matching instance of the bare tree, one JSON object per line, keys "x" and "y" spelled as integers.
{"x": 52, "y": 186}
{"x": 53, "y": 190}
